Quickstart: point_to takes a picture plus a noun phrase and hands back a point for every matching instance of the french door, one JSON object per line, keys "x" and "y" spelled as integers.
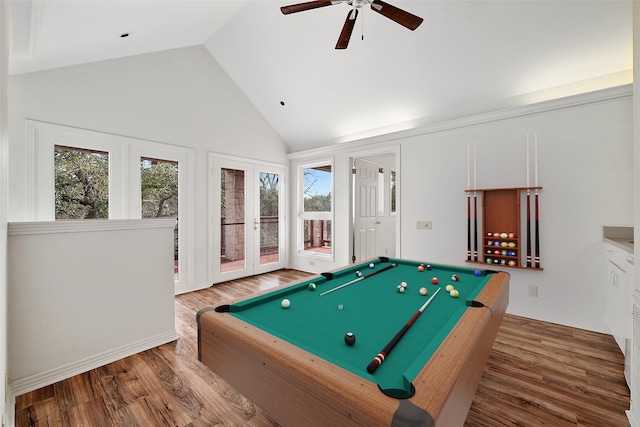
{"x": 247, "y": 218}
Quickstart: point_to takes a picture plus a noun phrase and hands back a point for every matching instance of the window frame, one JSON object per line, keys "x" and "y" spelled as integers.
{"x": 124, "y": 179}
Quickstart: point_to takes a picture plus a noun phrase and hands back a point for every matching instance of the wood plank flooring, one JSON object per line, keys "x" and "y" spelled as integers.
{"x": 538, "y": 374}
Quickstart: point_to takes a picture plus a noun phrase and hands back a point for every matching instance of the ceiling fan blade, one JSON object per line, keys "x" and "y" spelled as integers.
{"x": 400, "y": 16}
{"x": 300, "y": 7}
{"x": 347, "y": 29}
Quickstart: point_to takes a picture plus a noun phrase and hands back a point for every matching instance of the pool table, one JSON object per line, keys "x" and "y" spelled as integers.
{"x": 295, "y": 365}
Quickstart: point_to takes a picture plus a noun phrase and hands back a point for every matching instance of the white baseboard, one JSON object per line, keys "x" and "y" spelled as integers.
{"x": 34, "y": 382}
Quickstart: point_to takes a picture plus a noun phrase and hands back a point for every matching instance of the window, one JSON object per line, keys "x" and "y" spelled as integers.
{"x": 80, "y": 174}
{"x": 81, "y": 183}
{"x": 315, "y": 232}
{"x": 392, "y": 192}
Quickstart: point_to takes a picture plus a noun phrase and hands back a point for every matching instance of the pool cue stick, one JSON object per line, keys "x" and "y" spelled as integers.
{"x": 537, "y": 234}
{"x": 528, "y": 211}
{"x": 475, "y": 227}
{"x": 468, "y": 203}
{"x": 528, "y": 229}
{"x": 377, "y": 361}
{"x": 344, "y": 285}
{"x": 468, "y": 226}
{"x": 475, "y": 204}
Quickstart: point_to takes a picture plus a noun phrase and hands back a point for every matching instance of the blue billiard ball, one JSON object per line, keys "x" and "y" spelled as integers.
{"x": 372, "y": 265}
{"x": 428, "y": 266}
{"x": 478, "y": 273}
{"x": 358, "y": 273}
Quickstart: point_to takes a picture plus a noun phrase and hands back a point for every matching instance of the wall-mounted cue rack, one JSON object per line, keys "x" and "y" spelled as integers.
{"x": 500, "y": 241}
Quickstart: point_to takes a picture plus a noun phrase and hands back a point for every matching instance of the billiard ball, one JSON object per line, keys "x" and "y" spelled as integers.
{"x": 312, "y": 286}
{"x": 489, "y": 260}
{"x": 449, "y": 288}
{"x": 421, "y": 267}
{"x": 434, "y": 280}
{"x": 285, "y": 303}
{"x": 496, "y": 243}
{"x": 477, "y": 273}
{"x": 400, "y": 289}
{"x": 503, "y": 235}
{"x": 404, "y": 285}
{"x": 512, "y": 244}
{"x": 340, "y": 306}
{"x": 428, "y": 266}
{"x": 455, "y": 277}
{"x": 350, "y": 339}
{"x": 454, "y": 293}
{"x": 424, "y": 291}
{"x": 372, "y": 265}
{"x": 358, "y": 273}
{"x": 512, "y": 263}
{"x": 511, "y": 235}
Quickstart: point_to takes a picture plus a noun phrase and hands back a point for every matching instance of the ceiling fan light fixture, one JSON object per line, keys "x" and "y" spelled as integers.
{"x": 124, "y": 35}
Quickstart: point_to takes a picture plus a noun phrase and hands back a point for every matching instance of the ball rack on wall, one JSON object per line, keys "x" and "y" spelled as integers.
{"x": 501, "y": 213}
{"x": 501, "y": 228}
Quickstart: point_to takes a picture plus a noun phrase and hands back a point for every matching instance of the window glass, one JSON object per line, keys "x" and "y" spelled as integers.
{"x": 315, "y": 234}
{"x": 81, "y": 183}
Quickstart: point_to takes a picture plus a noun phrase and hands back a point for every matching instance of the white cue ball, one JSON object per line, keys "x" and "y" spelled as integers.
{"x": 423, "y": 291}
{"x": 285, "y": 303}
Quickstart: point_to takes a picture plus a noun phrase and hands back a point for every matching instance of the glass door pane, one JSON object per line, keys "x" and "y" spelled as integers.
{"x": 232, "y": 220}
{"x": 159, "y": 195}
{"x": 269, "y": 224}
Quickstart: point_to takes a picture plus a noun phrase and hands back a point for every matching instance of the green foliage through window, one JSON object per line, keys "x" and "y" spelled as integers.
{"x": 81, "y": 183}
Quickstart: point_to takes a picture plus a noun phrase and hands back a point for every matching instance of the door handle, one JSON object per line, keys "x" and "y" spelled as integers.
{"x": 256, "y": 224}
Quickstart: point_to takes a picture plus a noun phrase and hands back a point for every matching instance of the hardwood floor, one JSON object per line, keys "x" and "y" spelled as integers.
{"x": 538, "y": 374}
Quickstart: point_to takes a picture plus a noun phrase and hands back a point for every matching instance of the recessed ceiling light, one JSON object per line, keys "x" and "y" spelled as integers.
{"x": 282, "y": 103}
{"x": 123, "y": 35}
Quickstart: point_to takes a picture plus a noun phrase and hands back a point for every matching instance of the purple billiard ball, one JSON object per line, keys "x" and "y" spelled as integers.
{"x": 478, "y": 273}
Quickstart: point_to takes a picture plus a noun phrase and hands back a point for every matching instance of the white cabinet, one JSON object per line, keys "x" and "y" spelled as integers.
{"x": 619, "y": 303}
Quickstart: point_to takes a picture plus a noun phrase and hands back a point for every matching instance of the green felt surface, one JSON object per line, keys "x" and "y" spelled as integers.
{"x": 374, "y": 311}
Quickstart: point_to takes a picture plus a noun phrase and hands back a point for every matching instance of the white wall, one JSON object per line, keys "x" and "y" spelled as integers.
{"x": 586, "y": 169}
{"x": 4, "y": 163}
{"x": 80, "y": 297}
{"x": 179, "y": 97}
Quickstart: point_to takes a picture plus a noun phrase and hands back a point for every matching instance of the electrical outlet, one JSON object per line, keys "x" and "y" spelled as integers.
{"x": 423, "y": 225}
{"x": 533, "y": 291}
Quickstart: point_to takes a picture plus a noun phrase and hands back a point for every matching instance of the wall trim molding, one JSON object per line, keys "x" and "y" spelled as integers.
{"x": 43, "y": 379}
{"x": 518, "y": 109}
{"x": 80, "y": 226}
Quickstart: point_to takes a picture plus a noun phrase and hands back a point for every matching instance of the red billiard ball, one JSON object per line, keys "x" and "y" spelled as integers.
{"x": 455, "y": 277}
{"x": 434, "y": 280}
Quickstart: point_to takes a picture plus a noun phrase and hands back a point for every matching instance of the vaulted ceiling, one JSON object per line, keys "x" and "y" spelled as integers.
{"x": 466, "y": 57}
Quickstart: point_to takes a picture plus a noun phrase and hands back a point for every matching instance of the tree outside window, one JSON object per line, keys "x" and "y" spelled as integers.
{"x": 81, "y": 183}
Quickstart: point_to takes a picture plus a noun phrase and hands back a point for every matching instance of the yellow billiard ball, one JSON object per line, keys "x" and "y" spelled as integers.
{"x": 454, "y": 293}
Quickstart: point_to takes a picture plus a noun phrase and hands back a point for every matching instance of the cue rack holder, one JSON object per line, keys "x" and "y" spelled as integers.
{"x": 501, "y": 243}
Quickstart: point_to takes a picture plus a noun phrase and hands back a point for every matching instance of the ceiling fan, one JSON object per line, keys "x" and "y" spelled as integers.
{"x": 400, "y": 16}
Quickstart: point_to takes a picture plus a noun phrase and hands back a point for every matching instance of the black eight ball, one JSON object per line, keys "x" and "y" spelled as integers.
{"x": 349, "y": 338}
